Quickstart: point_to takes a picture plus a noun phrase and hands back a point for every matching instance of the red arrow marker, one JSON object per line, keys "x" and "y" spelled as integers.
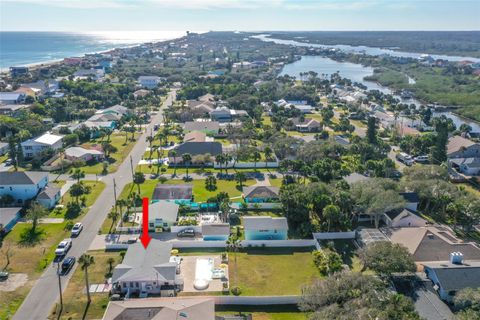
{"x": 145, "y": 238}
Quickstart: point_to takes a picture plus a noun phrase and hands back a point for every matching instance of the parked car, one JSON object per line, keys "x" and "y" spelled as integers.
{"x": 422, "y": 159}
{"x": 8, "y": 162}
{"x": 156, "y": 127}
{"x": 67, "y": 265}
{"x": 153, "y": 176}
{"x": 186, "y": 233}
{"x": 3, "y": 275}
{"x": 404, "y": 158}
{"x": 77, "y": 228}
{"x": 63, "y": 247}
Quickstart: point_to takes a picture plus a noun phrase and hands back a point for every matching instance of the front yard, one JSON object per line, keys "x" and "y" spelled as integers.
{"x": 116, "y": 158}
{"x": 75, "y": 298}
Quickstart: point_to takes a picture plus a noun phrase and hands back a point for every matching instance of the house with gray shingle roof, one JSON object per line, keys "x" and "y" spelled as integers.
{"x": 147, "y": 270}
{"x": 162, "y": 215}
{"x": 49, "y": 196}
{"x": 22, "y": 186}
{"x": 8, "y": 218}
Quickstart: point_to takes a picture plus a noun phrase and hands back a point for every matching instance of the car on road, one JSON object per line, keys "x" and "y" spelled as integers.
{"x": 77, "y": 228}
{"x": 8, "y": 162}
{"x": 67, "y": 265}
{"x": 63, "y": 247}
{"x": 186, "y": 233}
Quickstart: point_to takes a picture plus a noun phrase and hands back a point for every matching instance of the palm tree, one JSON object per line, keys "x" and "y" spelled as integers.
{"x": 219, "y": 158}
{"x": 86, "y": 261}
{"x": 187, "y": 158}
{"x": 78, "y": 174}
{"x": 110, "y": 262}
{"x": 113, "y": 215}
{"x": 173, "y": 155}
{"x": 256, "y": 156}
{"x": 138, "y": 178}
{"x": 121, "y": 203}
{"x": 150, "y": 140}
{"x": 268, "y": 154}
{"x": 241, "y": 178}
{"x": 35, "y": 212}
{"x": 227, "y": 158}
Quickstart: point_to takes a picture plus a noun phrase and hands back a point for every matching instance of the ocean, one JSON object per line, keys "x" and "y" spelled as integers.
{"x": 23, "y": 48}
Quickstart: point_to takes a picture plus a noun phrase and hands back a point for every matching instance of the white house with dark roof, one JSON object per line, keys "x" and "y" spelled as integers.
{"x": 449, "y": 278}
{"x": 468, "y": 166}
{"x": 34, "y": 147}
{"x": 265, "y": 228}
{"x": 147, "y": 271}
{"x": 22, "y": 185}
{"x": 403, "y": 218}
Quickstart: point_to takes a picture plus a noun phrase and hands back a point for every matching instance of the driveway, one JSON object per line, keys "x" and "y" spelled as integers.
{"x": 42, "y": 297}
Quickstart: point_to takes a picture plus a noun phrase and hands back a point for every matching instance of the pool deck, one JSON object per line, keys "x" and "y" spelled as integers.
{"x": 187, "y": 270}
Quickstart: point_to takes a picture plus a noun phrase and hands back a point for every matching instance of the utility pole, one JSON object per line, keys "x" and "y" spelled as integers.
{"x": 59, "y": 289}
{"x": 131, "y": 166}
{"x": 115, "y": 194}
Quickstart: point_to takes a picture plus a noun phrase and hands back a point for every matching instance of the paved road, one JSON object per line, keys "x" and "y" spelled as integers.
{"x": 44, "y": 294}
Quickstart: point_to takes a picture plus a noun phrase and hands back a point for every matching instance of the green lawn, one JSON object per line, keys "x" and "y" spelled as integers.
{"x": 116, "y": 158}
{"x": 272, "y": 271}
{"x": 74, "y": 297}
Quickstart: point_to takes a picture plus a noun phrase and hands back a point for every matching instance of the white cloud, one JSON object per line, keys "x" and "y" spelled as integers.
{"x": 78, "y": 4}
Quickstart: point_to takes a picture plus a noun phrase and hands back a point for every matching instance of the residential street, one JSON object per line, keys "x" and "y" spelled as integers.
{"x": 43, "y": 296}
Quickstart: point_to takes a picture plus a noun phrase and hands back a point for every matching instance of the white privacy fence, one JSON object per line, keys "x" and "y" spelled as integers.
{"x": 255, "y": 300}
{"x": 334, "y": 235}
{"x": 176, "y": 229}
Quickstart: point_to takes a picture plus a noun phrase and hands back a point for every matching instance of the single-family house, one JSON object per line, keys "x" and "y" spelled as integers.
{"x": 305, "y": 125}
{"x": 260, "y": 194}
{"x": 12, "y": 97}
{"x": 12, "y": 110}
{"x": 149, "y": 82}
{"x": 28, "y": 91}
{"x": 73, "y": 61}
{"x": 221, "y": 114}
{"x": 215, "y": 231}
{"x": 460, "y": 147}
{"x": 117, "y": 109}
{"x": 22, "y": 185}
{"x": 147, "y": 271}
{"x": 265, "y": 228}
{"x": 468, "y": 166}
{"x": 89, "y": 73}
{"x": 303, "y": 108}
{"x": 36, "y": 146}
{"x": 449, "y": 278}
{"x": 105, "y": 117}
{"x": 403, "y": 218}
{"x": 195, "y": 136}
{"x": 208, "y": 127}
{"x": 355, "y": 177}
{"x": 9, "y": 218}
{"x": 43, "y": 87}
{"x": 173, "y": 192}
{"x": 188, "y": 308}
{"x": 200, "y": 109}
{"x": 18, "y": 71}
{"x": 196, "y": 150}
{"x": 141, "y": 93}
{"x": 162, "y": 215}
{"x": 430, "y": 243}
{"x": 79, "y": 153}
{"x": 49, "y": 196}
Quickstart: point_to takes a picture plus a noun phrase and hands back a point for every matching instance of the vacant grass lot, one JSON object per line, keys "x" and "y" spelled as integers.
{"x": 116, "y": 158}
{"x": 32, "y": 257}
{"x": 75, "y": 298}
{"x": 272, "y": 271}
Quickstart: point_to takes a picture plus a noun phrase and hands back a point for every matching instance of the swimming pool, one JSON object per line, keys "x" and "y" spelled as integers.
{"x": 203, "y": 273}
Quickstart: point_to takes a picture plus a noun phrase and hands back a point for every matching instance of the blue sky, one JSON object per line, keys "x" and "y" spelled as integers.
{"x": 108, "y": 15}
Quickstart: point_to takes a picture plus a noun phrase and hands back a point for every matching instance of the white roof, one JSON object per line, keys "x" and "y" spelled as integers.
{"x": 79, "y": 151}
{"x": 265, "y": 222}
{"x": 48, "y": 138}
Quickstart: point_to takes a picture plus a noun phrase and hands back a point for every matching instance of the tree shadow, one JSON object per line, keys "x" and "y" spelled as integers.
{"x": 30, "y": 237}
{"x": 86, "y": 310}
